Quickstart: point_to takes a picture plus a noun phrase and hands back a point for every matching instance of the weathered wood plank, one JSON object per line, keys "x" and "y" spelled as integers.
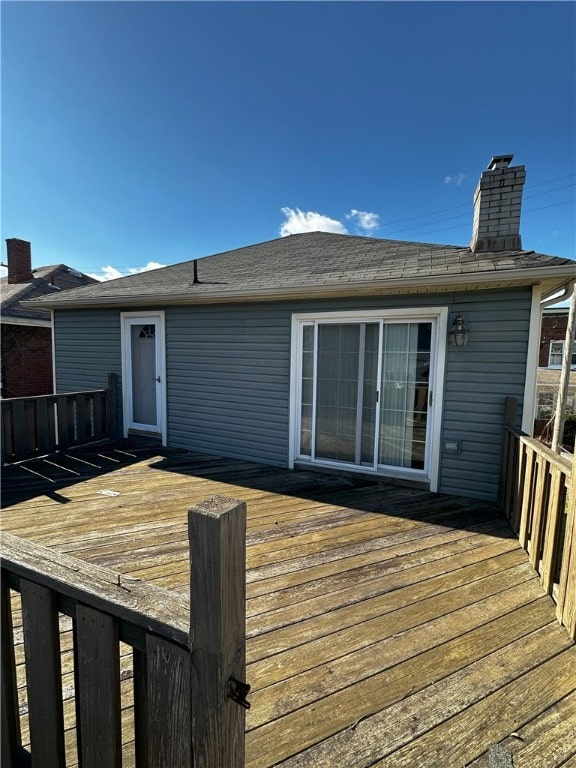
{"x": 547, "y": 740}
{"x": 169, "y": 728}
{"x": 403, "y": 611}
{"x": 7, "y": 441}
{"x": 81, "y": 418}
{"x": 369, "y": 739}
{"x": 63, "y": 421}
{"x": 98, "y": 689}
{"x": 51, "y": 428}
{"x": 390, "y": 562}
{"x": 551, "y": 553}
{"x": 521, "y": 469}
{"x": 307, "y": 567}
{"x": 44, "y": 438}
{"x": 333, "y": 620}
{"x": 217, "y": 532}
{"x": 527, "y": 498}
{"x": 136, "y": 602}
{"x": 566, "y": 608}
{"x": 99, "y": 427}
{"x": 43, "y": 674}
{"x": 375, "y": 588}
{"x": 23, "y": 440}
{"x": 463, "y": 738}
{"x": 539, "y": 511}
{"x": 111, "y": 396}
{"x": 10, "y": 729}
{"x": 285, "y": 689}
{"x": 140, "y": 668}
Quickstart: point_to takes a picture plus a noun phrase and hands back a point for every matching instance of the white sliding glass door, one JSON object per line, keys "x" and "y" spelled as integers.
{"x": 364, "y": 393}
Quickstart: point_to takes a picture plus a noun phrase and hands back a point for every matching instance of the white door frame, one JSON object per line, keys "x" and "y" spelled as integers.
{"x": 439, "y": 318}
{"x": 127, "y": 320}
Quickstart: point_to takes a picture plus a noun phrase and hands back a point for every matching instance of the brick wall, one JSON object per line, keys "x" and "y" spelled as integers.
{"x": 497, "y": 205}
{"x": 553, "y": 329}
{"x": 26, "y": 361}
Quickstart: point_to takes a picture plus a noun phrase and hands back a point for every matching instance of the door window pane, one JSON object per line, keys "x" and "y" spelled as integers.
{"x": 404, "y": 394}
{"x": 337, "y": 391}
{"x": 307, "y": 390}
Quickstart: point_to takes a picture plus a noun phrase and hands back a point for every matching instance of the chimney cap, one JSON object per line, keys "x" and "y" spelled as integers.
{"x": 500, "y": 161}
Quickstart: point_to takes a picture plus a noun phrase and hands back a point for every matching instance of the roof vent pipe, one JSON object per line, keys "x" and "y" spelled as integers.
{"x": 195, "y": 280}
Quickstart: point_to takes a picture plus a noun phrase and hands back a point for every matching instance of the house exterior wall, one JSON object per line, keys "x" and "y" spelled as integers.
{"x": 87, "y": 348}
{"x": 26, "y": 360}
{"x": 228, "y": 374}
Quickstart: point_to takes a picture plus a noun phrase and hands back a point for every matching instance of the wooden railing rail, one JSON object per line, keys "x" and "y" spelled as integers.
{"x": 188, "y": 657}
{"x": 538, "y": 496}
{"x": 36, "y": 426}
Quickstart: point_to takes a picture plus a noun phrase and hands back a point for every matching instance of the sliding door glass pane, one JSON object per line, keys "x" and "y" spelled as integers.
{"x": 337, "y": 391}
{"x": 369, "y": 390}
{"x": 404, "y": 394}
{"x": 307, "y": 390}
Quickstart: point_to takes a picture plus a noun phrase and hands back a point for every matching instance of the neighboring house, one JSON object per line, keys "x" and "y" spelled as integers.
{"x": 27, "y": 332}
{"x": 346, "y": 353}
{"x": 552, "y": 338}
{"x": 552, "y": 342}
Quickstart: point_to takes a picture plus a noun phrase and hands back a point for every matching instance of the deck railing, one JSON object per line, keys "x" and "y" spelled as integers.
{"x": 188, "y": 658}
{"x": 36, "y": 426}
{"x": 538, "y": 495}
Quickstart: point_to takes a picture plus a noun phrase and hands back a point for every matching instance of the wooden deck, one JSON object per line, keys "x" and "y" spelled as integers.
{"x": 387, "y": 626}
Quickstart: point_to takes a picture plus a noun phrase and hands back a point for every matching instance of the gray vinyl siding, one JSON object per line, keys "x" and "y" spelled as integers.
{"x": 228, "y": 374}
{"x": 87, "y": 348}
{"x": 478, "y": 378}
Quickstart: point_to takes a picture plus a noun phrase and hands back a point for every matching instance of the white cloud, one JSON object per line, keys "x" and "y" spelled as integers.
{"x": 298, "y": 221}
{"x": 112, "y": 273}
{"x": 365, "y": 222}
{"x": 3, "y": 271}
{"x": 457, "y": 179}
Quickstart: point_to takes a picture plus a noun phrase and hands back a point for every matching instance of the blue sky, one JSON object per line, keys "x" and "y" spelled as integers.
{"x": 138, "y": 133}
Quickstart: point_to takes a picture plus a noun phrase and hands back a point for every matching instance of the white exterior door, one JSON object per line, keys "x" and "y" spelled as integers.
{"x": 143, "y": 372}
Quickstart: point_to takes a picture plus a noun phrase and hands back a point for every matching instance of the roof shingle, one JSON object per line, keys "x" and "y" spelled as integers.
{"x": 306, "y": 261}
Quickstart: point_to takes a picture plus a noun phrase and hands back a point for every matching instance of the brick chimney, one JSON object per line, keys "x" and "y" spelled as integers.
{"x": 19, "y": 260}
{"x": 497, "y": 204}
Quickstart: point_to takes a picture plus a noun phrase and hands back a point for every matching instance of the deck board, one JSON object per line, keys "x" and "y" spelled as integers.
{"x": 386, "y": 625}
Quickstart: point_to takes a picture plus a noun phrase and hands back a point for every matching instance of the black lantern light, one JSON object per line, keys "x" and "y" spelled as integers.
{"x": 459, "y": 332}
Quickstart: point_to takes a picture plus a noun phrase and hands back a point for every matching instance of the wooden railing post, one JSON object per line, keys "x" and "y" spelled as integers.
{"x": 11, "y": 740}
{"x": 111, "y": 404}
{"x": 217, "y": 533}
{"x": 508, "y": 451}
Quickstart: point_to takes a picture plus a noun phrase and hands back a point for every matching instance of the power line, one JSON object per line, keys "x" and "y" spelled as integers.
{"x": 549, "y": 191}
{"x": 462, "y": 226}
{"x": 468, "y": 205}
{"x": 552, "y": 205}
{"x": 551, "y": 181}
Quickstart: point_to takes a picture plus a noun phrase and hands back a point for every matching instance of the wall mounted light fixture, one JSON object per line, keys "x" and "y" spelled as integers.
{"x": 459, "y": 332}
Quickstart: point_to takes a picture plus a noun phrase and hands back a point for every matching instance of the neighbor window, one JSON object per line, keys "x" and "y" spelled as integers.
{"x": 556, "y": 353}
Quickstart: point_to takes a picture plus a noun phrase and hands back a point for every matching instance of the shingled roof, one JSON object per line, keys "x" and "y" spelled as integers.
{"x": 323, "y": 264}
{"x": 46, "y": 281}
